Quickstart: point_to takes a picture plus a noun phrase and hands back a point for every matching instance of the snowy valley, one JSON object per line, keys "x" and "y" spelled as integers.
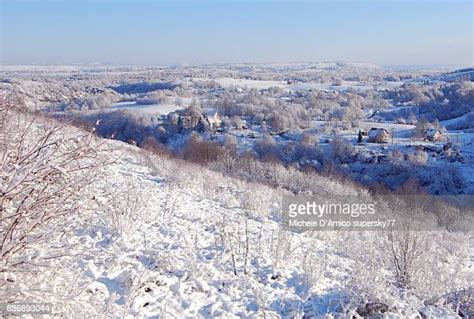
{"x": 157, "y": 192}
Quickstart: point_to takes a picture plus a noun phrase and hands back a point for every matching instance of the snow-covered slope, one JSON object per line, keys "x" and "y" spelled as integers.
{"x": 171, "y": 254}
{"x": 178, "y": 252}
{"x": 461, "y": 122}
{"x": 462, "y": 74}
{"x": 156, "y": 237}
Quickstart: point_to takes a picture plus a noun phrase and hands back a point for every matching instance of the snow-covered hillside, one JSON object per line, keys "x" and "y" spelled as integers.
{"x": 159, "y": 237}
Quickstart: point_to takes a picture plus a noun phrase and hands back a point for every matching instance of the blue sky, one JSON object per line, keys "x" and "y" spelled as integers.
{"x": 167, "y": 32}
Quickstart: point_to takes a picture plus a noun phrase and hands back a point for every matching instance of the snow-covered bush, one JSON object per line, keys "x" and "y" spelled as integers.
{"x": 125, "y": 213}
{"x": 341, "y": 150}
{"x": 420, "y": 259}
{"x": 43, "y": 168}
{"x": 420, "y": 157}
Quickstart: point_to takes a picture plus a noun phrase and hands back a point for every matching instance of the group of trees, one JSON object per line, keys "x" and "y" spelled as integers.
{"x": 261, "y": 107}
{"x": 143, "y": 87}
{"x": 257, "y": 108}
{"x": 154, "y": 97}
{"x": 94, "y": 101}
{"x": 339, "y": 157}
{"x": 123, "y": 125}
{"x": 441, "y": 101}
{"x": 275, "y": 114}
{"x": 346, "y": 105}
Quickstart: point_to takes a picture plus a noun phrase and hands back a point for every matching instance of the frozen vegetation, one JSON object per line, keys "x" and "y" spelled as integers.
{"x": 298, "y": 110}
{"x": 156, "y": 192}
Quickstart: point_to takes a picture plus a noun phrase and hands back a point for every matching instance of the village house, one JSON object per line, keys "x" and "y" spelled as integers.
{"x": 214, "y": 119}
{"x": 434, "y": 135}
{"x": 379, "y": 135}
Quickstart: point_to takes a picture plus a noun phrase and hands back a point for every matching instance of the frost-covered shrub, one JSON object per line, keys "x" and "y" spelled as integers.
{"x": 396, "y": 156}
{"x": 45, "y": 167}
{"x": 419, "y": 157}
{"x": 434, "y": 179}
{"x": 442, "y": 180}
{"x": 267, "y": 147}
{"x": 126, "y": 213}
{"x": 341, "y": 150}
{"x": 425, "y": 267}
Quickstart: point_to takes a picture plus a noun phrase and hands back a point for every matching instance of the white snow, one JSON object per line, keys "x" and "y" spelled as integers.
{"x": 156, "y": 237}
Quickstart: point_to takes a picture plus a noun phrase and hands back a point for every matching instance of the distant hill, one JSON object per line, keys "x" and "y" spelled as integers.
{"x": 467, "y": 73}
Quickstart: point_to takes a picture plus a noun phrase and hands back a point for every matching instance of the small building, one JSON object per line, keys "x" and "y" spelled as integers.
{"x": 214, "y": 119}
{"x": 379, "y": 135}
{"x": 434, "y": 135}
